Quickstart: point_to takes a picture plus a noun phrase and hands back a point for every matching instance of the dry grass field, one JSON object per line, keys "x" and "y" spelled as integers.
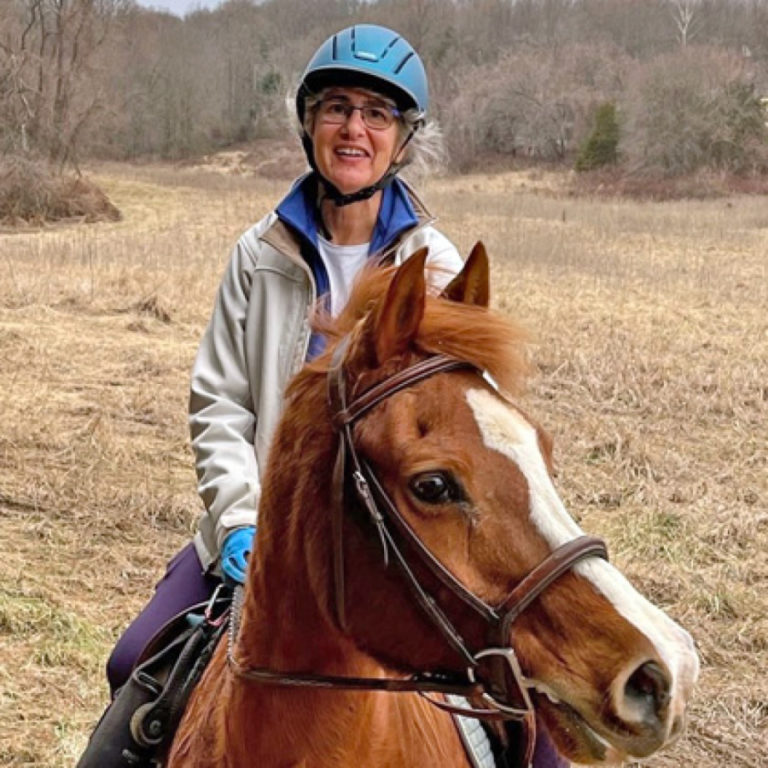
{"x": 652, "y": 344}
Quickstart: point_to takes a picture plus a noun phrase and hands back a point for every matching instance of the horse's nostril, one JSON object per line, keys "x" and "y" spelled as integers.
{"x": 649, "y": 686}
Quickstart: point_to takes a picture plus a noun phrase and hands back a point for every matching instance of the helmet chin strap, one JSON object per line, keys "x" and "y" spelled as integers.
{"x": 331, "y": 192}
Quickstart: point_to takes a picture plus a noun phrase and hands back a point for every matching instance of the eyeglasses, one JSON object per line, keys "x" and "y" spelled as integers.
{"x": 337, "y": 111}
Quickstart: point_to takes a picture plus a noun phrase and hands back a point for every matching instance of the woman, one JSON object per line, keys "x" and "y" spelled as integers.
{"x": 361, "y": 108}
{"x": 361, "y": 102}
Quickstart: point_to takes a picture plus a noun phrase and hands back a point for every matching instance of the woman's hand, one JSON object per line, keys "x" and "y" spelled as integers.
{"x": 234, "y": 553}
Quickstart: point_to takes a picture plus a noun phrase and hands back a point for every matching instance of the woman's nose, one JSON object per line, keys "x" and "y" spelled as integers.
{"x": 354, "y": 122}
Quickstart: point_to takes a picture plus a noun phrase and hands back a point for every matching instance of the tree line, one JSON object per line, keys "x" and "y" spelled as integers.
{"x": 663, "y": 85}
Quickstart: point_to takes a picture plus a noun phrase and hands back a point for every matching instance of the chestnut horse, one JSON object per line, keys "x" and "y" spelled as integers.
{"x": 470, "y": 475}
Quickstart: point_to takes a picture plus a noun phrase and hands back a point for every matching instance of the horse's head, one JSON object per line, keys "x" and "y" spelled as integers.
{"x": 470, "y": 473}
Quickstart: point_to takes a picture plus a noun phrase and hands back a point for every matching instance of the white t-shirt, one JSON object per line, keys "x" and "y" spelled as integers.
{"x": 342, "y": 263}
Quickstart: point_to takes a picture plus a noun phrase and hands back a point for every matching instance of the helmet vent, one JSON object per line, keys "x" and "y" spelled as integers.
{"x": 370, "y": 56}
{"x": 403, "y": 63}
{"x": 391, "y": 45}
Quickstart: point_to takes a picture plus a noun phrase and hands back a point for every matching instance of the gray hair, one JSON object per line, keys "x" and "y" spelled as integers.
{"x": 425, "y": 152}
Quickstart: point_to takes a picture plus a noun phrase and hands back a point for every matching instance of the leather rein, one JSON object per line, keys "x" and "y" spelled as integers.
{"x": 493, "y": 674}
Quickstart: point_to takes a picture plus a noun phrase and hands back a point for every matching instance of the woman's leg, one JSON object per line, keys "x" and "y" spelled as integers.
{"x": 546, "y": 755}
{"x": 184, "y": 585}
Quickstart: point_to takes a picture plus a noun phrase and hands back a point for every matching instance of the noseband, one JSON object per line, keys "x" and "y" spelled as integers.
{"x": 493, "y": 673}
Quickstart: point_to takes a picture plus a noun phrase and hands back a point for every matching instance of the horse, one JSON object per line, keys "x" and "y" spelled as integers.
{"x": 412, "y": 544}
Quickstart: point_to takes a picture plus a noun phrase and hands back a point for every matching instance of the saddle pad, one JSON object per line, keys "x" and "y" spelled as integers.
{"x": 473, "y": 735}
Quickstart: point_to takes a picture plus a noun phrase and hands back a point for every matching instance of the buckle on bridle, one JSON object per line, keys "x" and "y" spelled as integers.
{"x": 363, "y": 488}
{"x": 512, "y": 666}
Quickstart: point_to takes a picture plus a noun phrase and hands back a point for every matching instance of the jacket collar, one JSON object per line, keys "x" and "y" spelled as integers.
{"x": 400, "y": 210}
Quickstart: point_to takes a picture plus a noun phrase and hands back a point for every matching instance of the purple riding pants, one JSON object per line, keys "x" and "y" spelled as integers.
{"x": 185, "y": 584}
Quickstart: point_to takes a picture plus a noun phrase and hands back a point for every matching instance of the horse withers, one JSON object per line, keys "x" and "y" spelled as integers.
{"x": 411, "y": 540}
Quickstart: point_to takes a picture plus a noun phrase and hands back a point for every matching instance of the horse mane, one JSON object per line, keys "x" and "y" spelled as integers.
{"x": 474, "y": 334}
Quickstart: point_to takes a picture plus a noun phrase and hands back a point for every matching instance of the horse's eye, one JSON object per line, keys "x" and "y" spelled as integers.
{"x": 435, "y": 488}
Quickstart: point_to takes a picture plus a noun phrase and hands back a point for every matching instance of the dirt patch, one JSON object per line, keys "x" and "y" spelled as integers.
{"x": 266, "y": 158}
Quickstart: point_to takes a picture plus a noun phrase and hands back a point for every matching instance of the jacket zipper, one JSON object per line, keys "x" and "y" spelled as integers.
{"x": 304, "y": 329}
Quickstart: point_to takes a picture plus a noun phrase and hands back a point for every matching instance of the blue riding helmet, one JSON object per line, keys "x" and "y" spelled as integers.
{"x": 368, "y": 56}
{"x": 372, "y": 57}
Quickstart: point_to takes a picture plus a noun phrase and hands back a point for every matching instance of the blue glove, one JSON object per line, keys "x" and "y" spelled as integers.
{"x": 234, "y": 553}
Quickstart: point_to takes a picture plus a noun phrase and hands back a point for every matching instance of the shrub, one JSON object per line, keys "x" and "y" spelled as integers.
{"x": 693, "y": 110}
{"x": 601, "y": 147}
{"x": 530, "y": 102}
{"x": 30, "y": 192}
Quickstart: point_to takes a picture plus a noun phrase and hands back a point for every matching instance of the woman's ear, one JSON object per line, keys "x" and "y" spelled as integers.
{"x": 401, "y": 154}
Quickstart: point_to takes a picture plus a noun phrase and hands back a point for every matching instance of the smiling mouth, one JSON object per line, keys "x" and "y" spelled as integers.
{"x": 350, "y": 152}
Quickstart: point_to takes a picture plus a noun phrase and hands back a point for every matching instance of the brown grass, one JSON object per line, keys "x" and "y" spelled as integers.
{"x": 704, "y": 185}
{"x": 31, "y": 194}
{"x": 652, "y": 325}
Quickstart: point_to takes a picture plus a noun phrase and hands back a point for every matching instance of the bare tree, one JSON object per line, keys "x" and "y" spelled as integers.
{"x": 16, "y": 90}
{"x": 685, "y": 16}
{"x": 49, "y": 51}
{"x": 708, "y": 115}
{"x": 536, "y": 103}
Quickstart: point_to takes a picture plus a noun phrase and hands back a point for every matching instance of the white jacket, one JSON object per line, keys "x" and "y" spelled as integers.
{"x": 256, "y": 340}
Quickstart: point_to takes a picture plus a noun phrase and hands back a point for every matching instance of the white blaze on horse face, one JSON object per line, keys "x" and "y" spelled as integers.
{"x": 504, "y": 429}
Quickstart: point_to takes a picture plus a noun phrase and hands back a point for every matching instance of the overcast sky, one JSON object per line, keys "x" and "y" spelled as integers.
{"x": 179, "y": 7}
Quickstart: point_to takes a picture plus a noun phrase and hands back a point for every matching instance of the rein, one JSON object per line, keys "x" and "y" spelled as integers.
{"x": 417, "y": 683}
{"x": 493, "y": 673}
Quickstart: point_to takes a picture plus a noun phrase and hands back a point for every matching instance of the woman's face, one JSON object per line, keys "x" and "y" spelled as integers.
{"x": 351, "y": 154}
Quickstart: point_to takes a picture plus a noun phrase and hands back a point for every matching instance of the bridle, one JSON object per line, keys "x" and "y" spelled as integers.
{"x": 493, "y": 673}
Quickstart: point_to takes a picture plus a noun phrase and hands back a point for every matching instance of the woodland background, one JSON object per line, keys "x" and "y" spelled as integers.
{"x": 510, "y": 78}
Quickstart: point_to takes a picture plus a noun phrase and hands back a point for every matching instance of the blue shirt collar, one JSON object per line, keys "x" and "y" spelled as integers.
{"x": 396, "y": 213}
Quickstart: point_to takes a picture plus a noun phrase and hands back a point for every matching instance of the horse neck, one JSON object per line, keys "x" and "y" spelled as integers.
{"x": 288, "y": 625}
{"x": 287, "y": 621}
{"x": 283, "y": 627}
{"x": 324, "y": 728}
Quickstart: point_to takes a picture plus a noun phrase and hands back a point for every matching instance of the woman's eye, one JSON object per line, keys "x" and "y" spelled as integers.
{"x": 435, "y": 488}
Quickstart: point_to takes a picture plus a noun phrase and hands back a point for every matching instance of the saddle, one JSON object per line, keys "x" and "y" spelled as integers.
{"x": 137, "y": 729}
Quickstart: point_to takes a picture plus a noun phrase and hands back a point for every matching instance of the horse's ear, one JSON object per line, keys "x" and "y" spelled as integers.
{"x": 472, "y": 284}
{"x": 397, "y": 321}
